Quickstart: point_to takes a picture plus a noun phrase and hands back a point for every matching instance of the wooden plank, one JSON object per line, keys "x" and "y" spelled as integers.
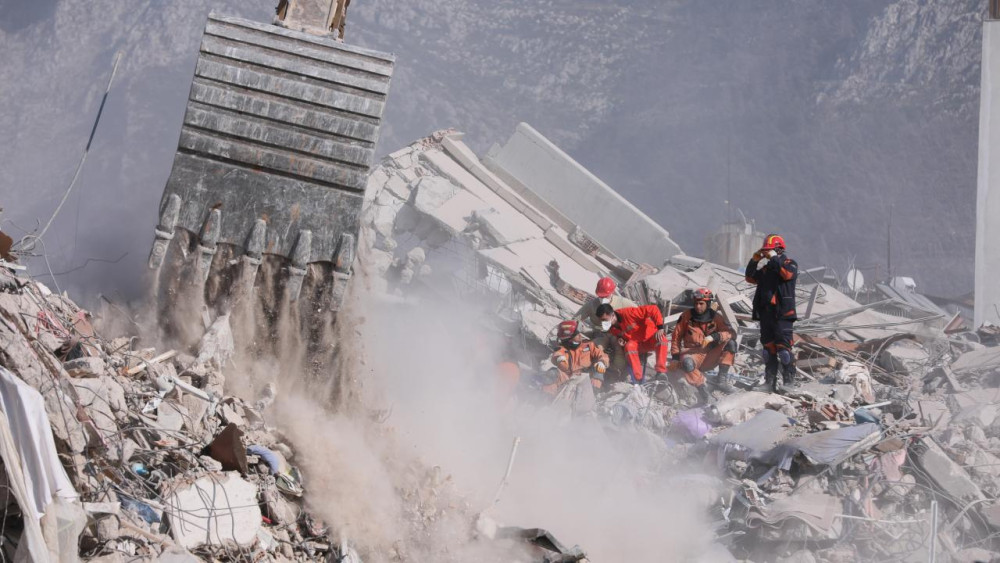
{"x": 273, "y": 160}
{"x": 349, "y": 126}
{"x": 292, "y": 63}
{"x": 268, "y": 133}
{"x": 289, "y": 87}
{"x": 320, "y": 52}
{"x": 162, "y": 357}
{"x": 815, "y": 363}
{"x": 371, "y": 54}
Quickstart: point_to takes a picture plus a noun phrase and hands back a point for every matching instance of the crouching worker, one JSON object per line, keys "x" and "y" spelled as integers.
{"x": 703, "y": 340}
{"x": 575, "y": 356}
{"x": 639, "y": 331}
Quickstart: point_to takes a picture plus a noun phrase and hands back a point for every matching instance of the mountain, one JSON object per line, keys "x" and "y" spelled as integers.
{"x": 813, "y": 117}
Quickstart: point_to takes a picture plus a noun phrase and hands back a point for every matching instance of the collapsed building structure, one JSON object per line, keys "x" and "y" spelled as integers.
{"x": 885, "y": 452}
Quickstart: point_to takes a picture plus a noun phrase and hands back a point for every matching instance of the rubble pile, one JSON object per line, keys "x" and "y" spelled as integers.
{"x": 159, "y": 463}
{"x": 886, "y": 448}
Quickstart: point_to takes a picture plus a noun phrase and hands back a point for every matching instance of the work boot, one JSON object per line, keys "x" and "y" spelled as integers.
{"x": 774, "y": 382}
{"x": 788, "y": 374}
{"x": 724, "y": 382}
{"x": 704, "y": 397}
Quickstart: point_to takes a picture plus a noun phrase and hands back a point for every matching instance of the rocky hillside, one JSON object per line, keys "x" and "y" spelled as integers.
{"x": 813, "y": 117}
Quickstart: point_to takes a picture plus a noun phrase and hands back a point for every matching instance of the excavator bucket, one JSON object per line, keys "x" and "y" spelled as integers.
{"x": 274, "y": 153}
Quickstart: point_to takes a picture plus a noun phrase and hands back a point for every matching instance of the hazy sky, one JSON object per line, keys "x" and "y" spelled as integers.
{"x": 815, "y": 117}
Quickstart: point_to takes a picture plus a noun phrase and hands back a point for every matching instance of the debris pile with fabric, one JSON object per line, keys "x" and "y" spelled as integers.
{"x": 147, "y": 456}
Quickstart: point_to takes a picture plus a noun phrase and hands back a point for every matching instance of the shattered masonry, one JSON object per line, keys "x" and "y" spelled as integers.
{"x": 895, "y": 429}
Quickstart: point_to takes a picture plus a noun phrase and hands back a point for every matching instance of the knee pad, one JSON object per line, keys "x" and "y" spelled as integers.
{"x": 765, "y": 355}
{"x": 785, "y": 356}
{"x": 687, "y": 363}
{"x": 730, "y": 346}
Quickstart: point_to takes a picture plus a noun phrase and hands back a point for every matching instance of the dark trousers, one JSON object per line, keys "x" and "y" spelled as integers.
{"x": 776, "y": 338}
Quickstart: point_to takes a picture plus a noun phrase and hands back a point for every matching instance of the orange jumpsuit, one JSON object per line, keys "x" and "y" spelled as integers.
{"x": 638, "y": 327}
{"x": 688, "y": 342}
{"x": 573, "y": 362}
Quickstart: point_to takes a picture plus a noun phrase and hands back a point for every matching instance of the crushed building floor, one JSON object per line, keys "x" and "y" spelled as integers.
{"x": 887, "y": 450}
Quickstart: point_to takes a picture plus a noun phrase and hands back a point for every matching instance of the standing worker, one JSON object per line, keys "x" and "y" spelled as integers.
{"x": 703, "y": 340}
{"x": 605, "y": 292}
{"x": 774, "y": 274}
{"x": 575, "y": 355}
{"x": 639, "y": 331}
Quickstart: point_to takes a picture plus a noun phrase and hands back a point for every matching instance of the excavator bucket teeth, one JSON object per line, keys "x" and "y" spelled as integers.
{"x": 274, "y": 153}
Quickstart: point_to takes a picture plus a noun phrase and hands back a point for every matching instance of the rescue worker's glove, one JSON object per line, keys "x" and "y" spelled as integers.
{"x": 770, "y": 253}
{"x": 761, "y": 264}
{"x": 562, "y": 362}
{"x": 600, "y": 367}
{"x": 708, "y": 341}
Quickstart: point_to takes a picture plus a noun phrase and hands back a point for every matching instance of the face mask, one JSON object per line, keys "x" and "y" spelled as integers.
{"x": 605, "y": 300}
{"x": 606, "y": 325}
{"x": 571, "y": 344}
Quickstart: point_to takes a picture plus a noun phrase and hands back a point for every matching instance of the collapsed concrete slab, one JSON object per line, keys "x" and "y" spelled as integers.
{"x": 217, "y": 509}
{"x": 548, "y": 177}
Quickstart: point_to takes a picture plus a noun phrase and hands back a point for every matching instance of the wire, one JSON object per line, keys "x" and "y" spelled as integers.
{"x": 26, "y": 244}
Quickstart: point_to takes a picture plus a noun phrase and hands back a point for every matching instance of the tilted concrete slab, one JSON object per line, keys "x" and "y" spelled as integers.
{"x": 557, "y": 181}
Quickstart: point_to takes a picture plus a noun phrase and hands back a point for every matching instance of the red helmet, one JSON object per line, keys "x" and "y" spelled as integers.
{"x": 703, "y": 294}
{"x": 772, "y": 242}
{"x": 567, "y": 330}
{"x": 605, "y": 287}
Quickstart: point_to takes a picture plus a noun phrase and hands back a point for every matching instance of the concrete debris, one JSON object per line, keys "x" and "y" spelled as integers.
{"x": 217, "y": 509}
{"x": 888, "y": 444}
{"x": 128, "y": 431}
{"x": 896, "y": 403}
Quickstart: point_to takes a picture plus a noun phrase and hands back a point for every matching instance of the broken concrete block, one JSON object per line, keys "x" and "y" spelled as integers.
{"x": 233, "y": 414}
{"x": 217, "y": 345}
{"x": 977, "y": 360}
{"x": 907, "y": 357}
{"x": 946, "y": 473}
{"x": 933, "y": 413}
{"x": 980, "y": 415}
{"x": 431, "y": 192}
{"x": 975, "y": 555}
{"x": 87, "y": 366}
{"x": 104, "y": 399}
{"x": 171, "y": 416}
{"x": 176, "y": 554}
{"x": 217, "y": 509}
{"x": 280, "y": 510}
{"x": 196, "y": 409}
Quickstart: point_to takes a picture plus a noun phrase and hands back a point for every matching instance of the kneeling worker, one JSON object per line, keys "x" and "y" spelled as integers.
{"x": 703, "y": 340}
{"x": 639, "y": 331}
{"x": 576, "y": 355}
{"x": 606, "y": 293}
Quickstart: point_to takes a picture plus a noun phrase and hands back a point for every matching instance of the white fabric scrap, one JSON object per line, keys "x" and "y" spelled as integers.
{"x": 44, "y": 474}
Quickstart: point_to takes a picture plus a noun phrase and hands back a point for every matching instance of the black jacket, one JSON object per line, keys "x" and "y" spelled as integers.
{"x": 775, "y": 295}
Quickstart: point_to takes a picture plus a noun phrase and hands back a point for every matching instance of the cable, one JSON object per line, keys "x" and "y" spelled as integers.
{"x": 26, "y": 244}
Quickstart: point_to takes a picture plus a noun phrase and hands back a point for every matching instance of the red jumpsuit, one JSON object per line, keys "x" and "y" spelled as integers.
{"x": 639, "y": 327}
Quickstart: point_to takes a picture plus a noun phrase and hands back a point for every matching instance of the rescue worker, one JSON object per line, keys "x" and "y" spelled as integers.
{"x": 576, "y": 355}
{"x": 605, "y": 292}
{"x": 701, "y": 341}
{"x": 774, "y": 274}
{"x": 639, "y": 331}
